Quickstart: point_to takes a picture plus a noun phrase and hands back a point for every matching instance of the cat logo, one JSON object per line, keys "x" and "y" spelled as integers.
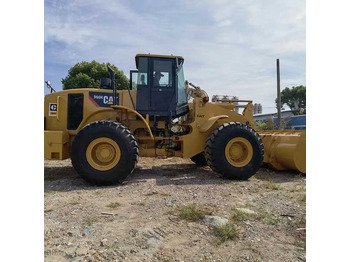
{"x": 102, "y": 99}
{"x": 200, "y": 115}
{"x": 52, "y": 109}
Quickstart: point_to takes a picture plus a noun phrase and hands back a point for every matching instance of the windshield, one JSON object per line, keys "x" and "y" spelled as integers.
{"x": 181, "y": 88}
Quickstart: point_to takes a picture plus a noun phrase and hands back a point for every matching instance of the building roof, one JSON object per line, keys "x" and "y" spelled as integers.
{"x": 263, "y": 116}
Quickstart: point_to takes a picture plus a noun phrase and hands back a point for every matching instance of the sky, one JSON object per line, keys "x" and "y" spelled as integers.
{"x": 229, "y": 47}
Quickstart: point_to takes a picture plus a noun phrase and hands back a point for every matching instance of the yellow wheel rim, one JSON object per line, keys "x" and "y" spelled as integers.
{"x": 103, "y": 153}
{"x": 238, "y": 152}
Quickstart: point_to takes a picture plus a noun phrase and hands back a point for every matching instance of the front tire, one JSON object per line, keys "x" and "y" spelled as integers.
{"x": 104, "y": 152}
{"x": 234, "y": 150}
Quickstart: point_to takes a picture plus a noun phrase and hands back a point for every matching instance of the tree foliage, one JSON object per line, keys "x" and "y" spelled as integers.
{"x": 88, "y": 75}
{"x": 295, "y": 98}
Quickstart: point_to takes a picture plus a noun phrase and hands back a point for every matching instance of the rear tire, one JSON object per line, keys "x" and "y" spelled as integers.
{"x": 199, "y": 159}
{"x": 104, "y": 152}
{"x": 234, "y": 150}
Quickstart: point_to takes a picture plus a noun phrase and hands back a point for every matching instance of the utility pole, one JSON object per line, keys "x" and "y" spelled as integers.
{"x": 278, "y": 94}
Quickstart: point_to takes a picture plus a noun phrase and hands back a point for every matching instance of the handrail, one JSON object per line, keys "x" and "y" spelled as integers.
{"x": 234, "y": 100}
{"x": 58, "y": 107}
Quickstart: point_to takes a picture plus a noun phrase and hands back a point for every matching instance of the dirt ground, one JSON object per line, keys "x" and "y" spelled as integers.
{"x": 140, "y": 220}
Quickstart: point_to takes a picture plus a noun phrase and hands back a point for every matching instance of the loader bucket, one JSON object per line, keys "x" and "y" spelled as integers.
{"x": 285, "y": 149}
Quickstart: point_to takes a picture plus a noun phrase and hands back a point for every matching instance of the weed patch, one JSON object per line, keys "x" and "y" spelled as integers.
{"x": 265, "y": 217}
{"x": 272, "y": 186}
{"x": 191, "y": 212}
{"x": 90, "y": 221}
{"x": 227, "y": 231}
{"x": 239, "y": 216}
{"x": 113, "y": 205}
{"x": 164, "y": 194}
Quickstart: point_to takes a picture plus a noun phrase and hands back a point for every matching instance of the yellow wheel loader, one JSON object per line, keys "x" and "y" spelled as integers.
{"x": 104, "y": 131}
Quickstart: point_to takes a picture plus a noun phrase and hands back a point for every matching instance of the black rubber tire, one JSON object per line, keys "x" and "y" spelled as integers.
{"x": 129, "y": 152}
{"x": 215, "y": 151}
{"x": 199, "y": 159}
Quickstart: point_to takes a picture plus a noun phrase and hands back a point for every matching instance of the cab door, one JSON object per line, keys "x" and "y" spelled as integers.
{"x": 162, "y": 78}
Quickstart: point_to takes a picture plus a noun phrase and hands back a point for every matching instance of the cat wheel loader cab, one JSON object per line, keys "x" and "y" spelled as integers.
{"x": 104, "y": 131}
{"x": 161, "y": 90}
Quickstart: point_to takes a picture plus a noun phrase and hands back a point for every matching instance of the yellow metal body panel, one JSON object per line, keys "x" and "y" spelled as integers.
{"x": 285, "y": 149}
{"x": 56, "y": 145}
{"x": 208, "y": 124}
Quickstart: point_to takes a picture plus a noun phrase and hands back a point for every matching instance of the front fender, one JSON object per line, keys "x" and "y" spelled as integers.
{"x": 209, "y": 123}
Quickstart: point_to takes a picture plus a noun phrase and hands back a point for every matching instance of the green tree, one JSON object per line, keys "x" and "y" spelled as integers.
{"x": 88, "y": 75}
{"x": 295, "y": 98}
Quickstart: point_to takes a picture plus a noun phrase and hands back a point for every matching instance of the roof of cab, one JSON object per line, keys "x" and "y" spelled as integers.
{"x": 163, "y": 56}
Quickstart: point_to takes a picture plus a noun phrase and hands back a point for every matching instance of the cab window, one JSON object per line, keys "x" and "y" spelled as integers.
{"x": 162, "y": 73}
{"x": 142, "y": 79}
